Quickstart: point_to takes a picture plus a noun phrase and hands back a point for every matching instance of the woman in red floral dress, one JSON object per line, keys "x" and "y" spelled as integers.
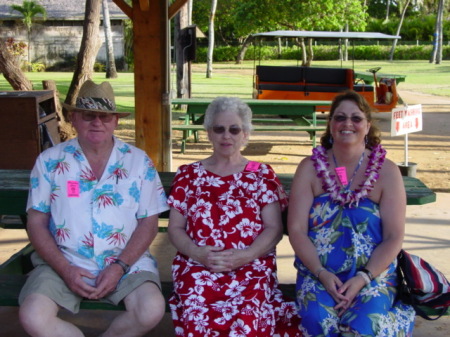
{"x": 225, "y": 222}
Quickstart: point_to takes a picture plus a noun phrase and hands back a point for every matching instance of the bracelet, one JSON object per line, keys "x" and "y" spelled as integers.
{"x": 368, "y": 273}
{"x": 321, "y": 269}
{"x": 364, "y": 276}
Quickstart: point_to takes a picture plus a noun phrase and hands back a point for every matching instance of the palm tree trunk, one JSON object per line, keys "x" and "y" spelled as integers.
{"x": 209, "y": 57}
{"x": 394, "y": 43}
{"x": 90, "y": 44}
{"x": 111, "y": 71}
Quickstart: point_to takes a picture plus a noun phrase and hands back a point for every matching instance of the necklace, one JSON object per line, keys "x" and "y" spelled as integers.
{"x": 329, "y": 181}
{"x": 341, "y": 172}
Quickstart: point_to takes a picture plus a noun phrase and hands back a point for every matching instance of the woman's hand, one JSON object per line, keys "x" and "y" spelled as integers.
{"x": 218, "y": 260}
{"x": 333, "y": 286}
{"x": 350, "y": 290}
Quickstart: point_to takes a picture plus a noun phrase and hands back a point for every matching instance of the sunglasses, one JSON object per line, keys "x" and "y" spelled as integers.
{"x": 233, "y": 129}
{"x": 343, "y": 118}
{"x": 89, "y": 116}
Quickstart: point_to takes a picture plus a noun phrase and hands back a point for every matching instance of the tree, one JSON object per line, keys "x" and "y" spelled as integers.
{"x": 394, "y": 43}
{"x": 209, "y": 57}
{"x": 183, "y": 69}
{"x": 253, "y": 16}
{"x": 29, "y": 10}
{"x": 436, "y": 54}
{"x": 111, "y": 71}
{"x": 11, "y": 70}
{"x": 90, "y": 44}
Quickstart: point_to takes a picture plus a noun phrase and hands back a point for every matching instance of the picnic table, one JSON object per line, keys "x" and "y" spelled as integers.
{"x": 299, "y": 115}
{"x": 367, "y": 77}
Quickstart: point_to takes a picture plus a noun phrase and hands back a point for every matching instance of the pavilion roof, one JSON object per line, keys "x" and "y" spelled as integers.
{"x": 57, "y": 9}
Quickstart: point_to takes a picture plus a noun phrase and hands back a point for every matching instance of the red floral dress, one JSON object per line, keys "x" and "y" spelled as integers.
{"x": 225, "y": 212}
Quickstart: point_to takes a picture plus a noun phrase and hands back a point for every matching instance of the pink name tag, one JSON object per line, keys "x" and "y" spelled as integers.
{"x": 252, "y": 166}
{"x": 342, "y": 175}
{"x": 73, "y": 189}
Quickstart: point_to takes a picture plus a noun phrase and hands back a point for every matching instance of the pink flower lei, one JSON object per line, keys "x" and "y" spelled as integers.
{"x": 331, "y": 185}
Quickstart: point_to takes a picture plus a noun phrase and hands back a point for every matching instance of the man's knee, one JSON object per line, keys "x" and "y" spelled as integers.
{"x": 147, "y": 304}
{"x": 35, "y": 312}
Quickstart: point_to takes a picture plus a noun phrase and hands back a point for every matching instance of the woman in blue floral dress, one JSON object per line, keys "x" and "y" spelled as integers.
{"x": 346, "y": 225}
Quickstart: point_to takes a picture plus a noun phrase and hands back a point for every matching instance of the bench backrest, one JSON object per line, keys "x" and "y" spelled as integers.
{"x": 305, "y": 75}
{"x": 279, "y": 74}
{"x": 333, "y": 76}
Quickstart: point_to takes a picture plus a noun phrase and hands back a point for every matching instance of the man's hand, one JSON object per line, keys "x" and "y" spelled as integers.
{"x": 73, "y": 277}
{"x": 107, "y": 281}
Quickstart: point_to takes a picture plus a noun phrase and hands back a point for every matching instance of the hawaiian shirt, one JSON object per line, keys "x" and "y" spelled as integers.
{"x": 92, "y": 220}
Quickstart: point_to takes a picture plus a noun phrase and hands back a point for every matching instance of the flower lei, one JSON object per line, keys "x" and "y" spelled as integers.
{"x": 329, "y": 181}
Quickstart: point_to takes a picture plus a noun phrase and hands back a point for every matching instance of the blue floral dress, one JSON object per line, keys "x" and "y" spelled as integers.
{"x": 345, "y": 237}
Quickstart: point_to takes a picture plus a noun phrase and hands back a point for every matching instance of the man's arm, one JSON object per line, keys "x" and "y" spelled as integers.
{"x": 138, "y": 244}
{"x": 45, "y": 245}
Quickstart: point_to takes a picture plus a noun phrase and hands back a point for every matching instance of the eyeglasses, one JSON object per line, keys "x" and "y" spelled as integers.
{"x": 89, "y": 116}
{"x": 233, "y": 129}
{"x": 343, "y": 118}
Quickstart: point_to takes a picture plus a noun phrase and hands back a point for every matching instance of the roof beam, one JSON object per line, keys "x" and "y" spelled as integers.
{"x": 174, "y": 8}
{"x": 124, "y": 7}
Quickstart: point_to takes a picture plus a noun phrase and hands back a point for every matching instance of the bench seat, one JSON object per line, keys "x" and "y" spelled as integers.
{"x": 11, "y": 283}
{"x": 13, "y": 276}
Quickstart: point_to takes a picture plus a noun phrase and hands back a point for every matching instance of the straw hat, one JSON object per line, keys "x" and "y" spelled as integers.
{"x": 97, "y": 98}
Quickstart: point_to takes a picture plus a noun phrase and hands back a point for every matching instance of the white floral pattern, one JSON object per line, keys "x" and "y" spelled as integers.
{"x": 345, "y": 230}
{"x": 225, "y": 212}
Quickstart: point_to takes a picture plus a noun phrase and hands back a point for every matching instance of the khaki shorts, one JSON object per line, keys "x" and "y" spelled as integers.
{"x": 45, "y": 281}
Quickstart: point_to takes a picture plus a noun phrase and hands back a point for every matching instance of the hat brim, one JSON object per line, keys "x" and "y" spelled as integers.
{"x": 74, "y": 108}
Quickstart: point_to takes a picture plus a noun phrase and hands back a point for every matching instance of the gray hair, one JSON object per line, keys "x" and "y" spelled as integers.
{"x": 231, "y": 104}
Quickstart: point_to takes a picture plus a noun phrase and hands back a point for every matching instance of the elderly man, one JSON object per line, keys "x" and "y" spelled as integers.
{"x": 92, "y": 213}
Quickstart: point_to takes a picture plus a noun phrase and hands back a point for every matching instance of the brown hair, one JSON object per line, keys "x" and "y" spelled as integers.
{"x": 373, "y": 137}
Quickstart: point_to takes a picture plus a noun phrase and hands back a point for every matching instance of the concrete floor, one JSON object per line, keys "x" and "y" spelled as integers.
{"x": 427, "y": 235}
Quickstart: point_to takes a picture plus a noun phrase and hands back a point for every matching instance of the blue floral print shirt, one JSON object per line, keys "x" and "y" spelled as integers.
{"x": 92, "y": 220}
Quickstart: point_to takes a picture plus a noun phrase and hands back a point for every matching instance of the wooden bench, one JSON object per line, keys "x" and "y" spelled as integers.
{"x": 13, "y": 198}
{"x": 189, "y": 129}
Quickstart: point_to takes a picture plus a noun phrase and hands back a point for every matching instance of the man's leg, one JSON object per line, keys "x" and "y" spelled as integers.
{"x": 38, "y": 316}
{"x": 145, "y": 308}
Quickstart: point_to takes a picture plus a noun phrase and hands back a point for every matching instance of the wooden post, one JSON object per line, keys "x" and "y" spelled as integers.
{"x": 151, "y": 81}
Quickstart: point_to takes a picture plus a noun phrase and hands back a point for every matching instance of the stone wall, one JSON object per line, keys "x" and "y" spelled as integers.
{"x": 52, "y": 43}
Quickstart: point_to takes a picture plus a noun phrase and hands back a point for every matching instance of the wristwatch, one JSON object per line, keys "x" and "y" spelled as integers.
{"x": 125, "y": 267}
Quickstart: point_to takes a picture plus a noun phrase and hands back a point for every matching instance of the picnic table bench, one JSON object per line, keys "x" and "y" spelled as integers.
{"x": 13, "y": 198}
{"x": 298, "y": 115}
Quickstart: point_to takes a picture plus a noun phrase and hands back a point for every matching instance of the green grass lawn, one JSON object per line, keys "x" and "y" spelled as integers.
{"x": 230, "y": 79}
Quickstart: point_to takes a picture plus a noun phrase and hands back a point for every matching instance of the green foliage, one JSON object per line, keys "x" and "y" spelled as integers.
{"x": 413, "y": 28}
{"x": 324, "y": 53}
{"x": 29, "y": 10}
{"x": 17, "y": 49}
{"x": 99, "y": 67}
{"x": 236, "y": 19}
{"x": 128, "y": 43}
{"x": 37, "y": 67}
